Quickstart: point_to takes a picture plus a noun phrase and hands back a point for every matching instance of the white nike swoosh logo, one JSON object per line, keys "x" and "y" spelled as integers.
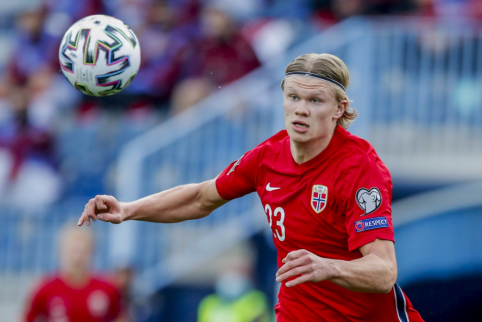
{"x": 269, "y": 188}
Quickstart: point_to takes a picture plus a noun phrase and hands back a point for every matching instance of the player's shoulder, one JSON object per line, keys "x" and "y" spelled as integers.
{"x": 103, "y": 281}
{"x": 268, "y": 148}
{"x": 47, "y": 282}
{"x": 358, "y": 152}
{"x": 274, "y": 143}
{"x": 355, "y": 145}
{"x": 355, "y": 148}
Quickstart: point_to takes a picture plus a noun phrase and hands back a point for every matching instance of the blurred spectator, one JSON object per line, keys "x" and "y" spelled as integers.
{"x": 270, "y": 38}
{"x": 28, "y": 158}
{"x": 235, "y": 300}
{"x": 187, "y": 11}
{"x": 34, "y": 65}
{"x": 162, "y": 45}
{"x": 329, "y": 12}
{"x": 75, "y": 294}
{"x": 189, "y": 92}
{"x": 220, "y": 54}
{"x": 34, "y": 50}
{"x": 343, "y": 9}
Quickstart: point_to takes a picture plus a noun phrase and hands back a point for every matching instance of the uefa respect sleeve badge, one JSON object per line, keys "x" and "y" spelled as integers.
{"x": 319, "y": 197}
{"x": 371, "y": 223}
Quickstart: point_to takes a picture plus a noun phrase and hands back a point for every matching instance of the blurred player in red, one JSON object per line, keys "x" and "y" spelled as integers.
{"x": 326, "y": 195}
{"x": 74, "y": 294}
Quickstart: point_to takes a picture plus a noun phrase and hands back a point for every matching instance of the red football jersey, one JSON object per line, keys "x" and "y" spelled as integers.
{"x": 330, "y": 205}
{"x": 54, "y": 300}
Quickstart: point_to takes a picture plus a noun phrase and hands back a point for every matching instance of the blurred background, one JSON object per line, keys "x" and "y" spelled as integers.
{"x": 209, "y": 90}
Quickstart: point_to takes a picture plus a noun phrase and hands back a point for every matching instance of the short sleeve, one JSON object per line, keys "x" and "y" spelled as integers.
{"x": 239, "y": 178}
{"x": 367, "y": 189}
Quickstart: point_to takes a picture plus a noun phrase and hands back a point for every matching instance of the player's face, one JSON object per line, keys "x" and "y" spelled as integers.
{"x": 311, "y": 108}
{"x": 76, "y": 253}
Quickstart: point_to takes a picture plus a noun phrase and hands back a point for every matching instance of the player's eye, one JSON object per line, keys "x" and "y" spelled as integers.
{"x": 293, "y": 97}
{"x": 315, "y": 100}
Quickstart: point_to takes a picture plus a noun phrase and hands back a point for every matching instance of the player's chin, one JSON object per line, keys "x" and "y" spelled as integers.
{"x": 299, "y": 137}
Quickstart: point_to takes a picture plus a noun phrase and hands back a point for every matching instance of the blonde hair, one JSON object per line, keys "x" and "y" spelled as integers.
{"x": 329, "y": 66}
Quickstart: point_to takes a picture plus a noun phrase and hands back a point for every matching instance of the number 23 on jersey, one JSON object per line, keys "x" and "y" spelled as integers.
{"x": 279, "y": 230}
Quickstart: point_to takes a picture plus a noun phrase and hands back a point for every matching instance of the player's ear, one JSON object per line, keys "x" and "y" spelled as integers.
{"x": 340, "y": 109}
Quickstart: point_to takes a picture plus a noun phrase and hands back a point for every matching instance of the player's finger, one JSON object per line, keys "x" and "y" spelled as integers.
{"x": 101, "y": 202}
{"x": 89, "y": 213}
{"x": 83, "y": 219}
{"x": 299, "y": 280}
{"x": 293, "y": 272}
{"x": 294, "y": 255}
{"x": 289, "y": 266}
{"x": 90, "y": 210}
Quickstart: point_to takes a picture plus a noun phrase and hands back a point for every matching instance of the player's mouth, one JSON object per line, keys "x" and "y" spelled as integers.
{"x": 300, "y": 126}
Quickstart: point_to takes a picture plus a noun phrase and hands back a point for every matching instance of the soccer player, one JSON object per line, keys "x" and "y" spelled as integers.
{"x": 326, "y": 195}
{"x": 75, "y": 294}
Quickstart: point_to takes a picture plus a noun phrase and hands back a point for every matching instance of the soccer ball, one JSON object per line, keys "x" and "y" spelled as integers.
{"x": 99, "y": 55}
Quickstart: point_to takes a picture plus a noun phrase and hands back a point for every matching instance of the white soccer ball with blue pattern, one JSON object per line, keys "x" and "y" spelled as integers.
{"x": 99, "y": 55}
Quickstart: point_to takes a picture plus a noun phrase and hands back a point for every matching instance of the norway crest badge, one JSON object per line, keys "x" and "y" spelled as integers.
{"x": 319, "y": 198}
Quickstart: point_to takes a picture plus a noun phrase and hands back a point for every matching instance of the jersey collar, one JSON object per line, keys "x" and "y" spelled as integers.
{"x": 333, "y": 146}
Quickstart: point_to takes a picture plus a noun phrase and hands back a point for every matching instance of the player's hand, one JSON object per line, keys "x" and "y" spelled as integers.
{"x": 105, "y": 208}
{"x": 307, "y": 266}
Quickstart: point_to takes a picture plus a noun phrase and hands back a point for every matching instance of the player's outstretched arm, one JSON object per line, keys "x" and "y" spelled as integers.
{"x": 191, "y": 201}
{"x": 375, "y": 272}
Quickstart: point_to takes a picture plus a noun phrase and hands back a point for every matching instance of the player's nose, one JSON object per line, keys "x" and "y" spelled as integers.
{"x": 302, "y": 108}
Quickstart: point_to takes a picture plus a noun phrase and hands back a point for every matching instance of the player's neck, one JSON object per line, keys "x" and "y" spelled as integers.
{"x": 305, "y": 151}
{"x": 76, "y": 278}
